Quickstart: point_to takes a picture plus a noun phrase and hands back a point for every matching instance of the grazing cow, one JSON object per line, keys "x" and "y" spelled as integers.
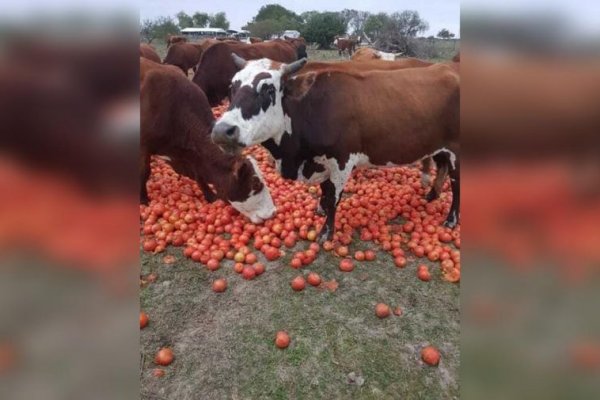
{"x": 184, "y": 55}
{"x": 345, "y": 44}
{"x": 300, "y": 45}
{"x": 322, "y": 124}
{"x": 367, "y": 53}
{"x": 254, "y": 39}
{"x": 175, "y": 122}
{"x": 172, "y": 39}
{"x": 149, "y": 52}
{"x": 216, "y": 68}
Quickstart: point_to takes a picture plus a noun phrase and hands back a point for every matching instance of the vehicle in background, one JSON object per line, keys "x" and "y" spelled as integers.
{"x": 193, "y": 34}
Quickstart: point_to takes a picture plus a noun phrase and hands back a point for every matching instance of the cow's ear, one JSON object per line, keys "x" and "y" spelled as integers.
{"x": 297, "y": 87}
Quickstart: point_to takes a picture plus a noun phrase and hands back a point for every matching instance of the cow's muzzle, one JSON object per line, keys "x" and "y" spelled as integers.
{"x": 227, "y": 137}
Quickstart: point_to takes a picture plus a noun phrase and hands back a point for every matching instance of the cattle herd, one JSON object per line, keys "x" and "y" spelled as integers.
{"x": 319, "y": 120}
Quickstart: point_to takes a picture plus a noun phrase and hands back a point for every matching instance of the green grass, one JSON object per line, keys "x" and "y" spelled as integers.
{"x": 224, "y": 343}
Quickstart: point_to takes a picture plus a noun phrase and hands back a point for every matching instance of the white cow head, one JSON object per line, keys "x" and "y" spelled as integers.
{"x": 255, "y": 112}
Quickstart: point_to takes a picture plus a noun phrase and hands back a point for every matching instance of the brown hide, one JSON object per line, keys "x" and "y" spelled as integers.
{"x": 176, "y": 121}
{"x": 183, "y": 55}
{"x": 216, "y": 68}
{"x": 149, "y": 52}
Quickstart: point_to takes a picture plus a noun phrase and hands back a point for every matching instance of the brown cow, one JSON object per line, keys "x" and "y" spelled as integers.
{"x": 216, "y": 68}
{"x": 146, "y": 67}
{"x": 149, "y": 52}
{"x": 300, "y": 45}
{"x": 184, "y": 56}
{"x": 367, "y": 53}
{"x": 172, "y": 39}
{"x": 345, "y": 44}
{"x": 345, "y": 119}
{"x": 254, "y": 39}
{"x": 175, "y": 122}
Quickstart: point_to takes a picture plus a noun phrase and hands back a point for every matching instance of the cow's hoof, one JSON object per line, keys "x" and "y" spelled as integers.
{"x": 431, "y": 196}
{"x": 324, "y": 236}
{"x": 451, "y": 221}
{"x": 319, "y": 211}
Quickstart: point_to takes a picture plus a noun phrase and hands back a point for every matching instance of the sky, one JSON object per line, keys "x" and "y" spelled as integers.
{"x": 438, "y": 13}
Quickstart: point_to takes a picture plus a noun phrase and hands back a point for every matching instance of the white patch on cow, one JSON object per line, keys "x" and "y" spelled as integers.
{"x": 443, "y": 150}
{"x": 269, "y": 124}
{"x": 386, "y": 56}
{"x": 278, "y": 165}
{"x": 258, "y": 206}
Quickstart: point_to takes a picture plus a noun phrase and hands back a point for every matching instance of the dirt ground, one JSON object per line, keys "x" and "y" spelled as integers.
{"x": 224, "y": 343}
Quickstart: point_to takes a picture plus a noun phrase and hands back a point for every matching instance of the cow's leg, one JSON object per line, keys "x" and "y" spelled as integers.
{"x": 442, "y": 161}
{"x": 454, "y": 214}
{"x": 209, "y": 195}
{"x": 329, "y": 204}
{"x": 144, "y": 175}
{"x": 332, "y": 196}
{"x": 327, "y": 189}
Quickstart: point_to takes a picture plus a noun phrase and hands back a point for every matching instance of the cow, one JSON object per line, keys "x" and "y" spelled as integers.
{"x": 320, "y": 125}
{"x": 254, "y": 39}
{"x": 175, "y": 122}
{"x": 149, "y": 52}
{"x": 300, "y": 45}
{"x": 184, "y": 55}
{"x": 172, "y": 39}
{"x": 345, "y": 44}
{"x": 216, "y": 68}
{"x": 367, "y": 53}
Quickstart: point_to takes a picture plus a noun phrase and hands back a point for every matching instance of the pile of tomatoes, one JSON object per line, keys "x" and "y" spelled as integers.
{"x": 383, "y": 206}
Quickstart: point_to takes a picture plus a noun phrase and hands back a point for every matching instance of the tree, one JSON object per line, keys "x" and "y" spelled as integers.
{"x": 276, "y": 12}
{"x": 158, "y": 28}
{"x": 374, "y": 24}
{"x": 200, "y": 19}
{"x": 219, "y": 20}
{"x": 321, "y": 28}
{"x": 355, "y": 20}
{"x": 184, "y": 20}
{"x": 445, "y": 34}
{"x": 264, "y": 29}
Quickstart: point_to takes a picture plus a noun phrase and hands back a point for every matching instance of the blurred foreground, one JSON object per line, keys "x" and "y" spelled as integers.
{"x": 531, "y": 207}
{"x": 69, "y": 120}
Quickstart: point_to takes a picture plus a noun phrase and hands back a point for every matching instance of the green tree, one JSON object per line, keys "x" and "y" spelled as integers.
{"x": 276, "y": 12}
{"x": 158, "y": 28}
{"x": 445, "y": 34}
{"x": 184, "y": 20}
{"x": 200, "y": 19}
{"x": 374, "y": 24}
{"x": 321, "y": 28}
{"x": 219, "y": 20}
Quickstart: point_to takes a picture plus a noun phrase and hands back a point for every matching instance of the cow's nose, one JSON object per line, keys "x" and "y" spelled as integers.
{"x": 225, "y": 134}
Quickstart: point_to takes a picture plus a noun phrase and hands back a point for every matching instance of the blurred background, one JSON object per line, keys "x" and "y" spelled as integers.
{"x": 69, "y": 215}
{"x": 531, "y": 200}
{"x": 69, "y": 127}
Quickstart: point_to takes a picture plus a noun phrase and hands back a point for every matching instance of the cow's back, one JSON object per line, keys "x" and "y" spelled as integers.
{"x": 216, "y": 68}
{"x": 374, "y": 111}
{"x": 174, "y": 112}
{"x": 148, "y": 52}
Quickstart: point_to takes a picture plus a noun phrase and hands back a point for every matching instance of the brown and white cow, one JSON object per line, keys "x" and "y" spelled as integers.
{"x": 300, "y": 45}
{"x": 147, "y": 51}
{"x": 367, "y": 53}
{"x": 325, "y": 123}
{"x": 216, "y": 68}
{"x": 345, "y": 44}
{"x": 175, "y": 122}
